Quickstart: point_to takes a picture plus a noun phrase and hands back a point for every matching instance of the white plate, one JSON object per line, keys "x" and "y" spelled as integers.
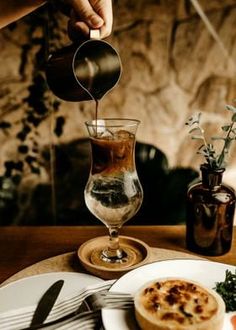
{"x": 203, "y": 271}
{"x": 27, "y": 291}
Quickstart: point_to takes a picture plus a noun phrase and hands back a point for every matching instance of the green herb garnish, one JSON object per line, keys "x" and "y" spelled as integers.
{"x": 214, "y": 159}
{"x": 227, "y": 290}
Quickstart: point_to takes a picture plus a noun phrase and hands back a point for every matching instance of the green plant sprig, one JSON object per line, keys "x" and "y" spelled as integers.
{"x": 214, "y": 160}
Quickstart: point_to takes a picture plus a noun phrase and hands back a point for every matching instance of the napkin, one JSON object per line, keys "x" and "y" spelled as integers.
{"x": 19, "y": 318}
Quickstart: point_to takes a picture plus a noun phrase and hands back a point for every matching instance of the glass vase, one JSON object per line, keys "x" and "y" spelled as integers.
{"x": 210, "y": 214}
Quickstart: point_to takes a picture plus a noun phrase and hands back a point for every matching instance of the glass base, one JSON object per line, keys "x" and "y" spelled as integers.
{"x": 114, "y": 256}
{"x": 125, "y": 257}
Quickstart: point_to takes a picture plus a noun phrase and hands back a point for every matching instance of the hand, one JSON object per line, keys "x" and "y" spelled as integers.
{"x": 90, "y": 14}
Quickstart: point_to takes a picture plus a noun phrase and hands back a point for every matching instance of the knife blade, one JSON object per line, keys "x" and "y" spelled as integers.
{"x": 46, "y": 303}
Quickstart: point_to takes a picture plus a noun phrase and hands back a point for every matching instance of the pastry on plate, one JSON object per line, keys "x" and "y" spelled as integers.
{"x": 178, "y": 304}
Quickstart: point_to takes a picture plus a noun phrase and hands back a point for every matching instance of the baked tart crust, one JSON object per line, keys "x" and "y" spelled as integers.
{"x": 178, "y": 304}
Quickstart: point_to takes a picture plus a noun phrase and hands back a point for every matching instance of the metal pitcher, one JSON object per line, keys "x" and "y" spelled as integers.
{"x": 83, "y": 72}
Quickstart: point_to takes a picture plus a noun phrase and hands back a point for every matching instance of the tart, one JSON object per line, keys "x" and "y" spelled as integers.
{"x": 178, "y": 304}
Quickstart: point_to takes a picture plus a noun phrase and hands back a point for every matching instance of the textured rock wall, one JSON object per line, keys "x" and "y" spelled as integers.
{"x": 172, "y": 67}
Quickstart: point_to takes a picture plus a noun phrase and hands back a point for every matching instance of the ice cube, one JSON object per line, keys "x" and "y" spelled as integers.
{"x": 98, "y": 127}
{"x": 106, "y": 134}
{"x": 122, "y": 135}
{"x": 110, "y": 193}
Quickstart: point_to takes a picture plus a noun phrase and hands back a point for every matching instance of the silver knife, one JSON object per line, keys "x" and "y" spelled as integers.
{"x": 46, "y": 303}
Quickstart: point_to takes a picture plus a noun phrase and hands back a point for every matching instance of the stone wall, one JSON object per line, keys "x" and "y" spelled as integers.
{"x": 172, "y": 67}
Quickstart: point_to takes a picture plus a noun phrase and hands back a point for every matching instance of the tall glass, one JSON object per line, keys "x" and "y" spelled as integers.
{"x": 113, "y": 192}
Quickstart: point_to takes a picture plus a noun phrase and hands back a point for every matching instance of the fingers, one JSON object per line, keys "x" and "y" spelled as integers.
{"x": 86, "y": 13}
{"x": 104, "y": 9}
{"x": 77, "y": 29}
{"x": 93, "y": 14}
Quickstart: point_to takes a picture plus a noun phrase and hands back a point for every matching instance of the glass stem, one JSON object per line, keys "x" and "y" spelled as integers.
{"x": 114, "y": 245}
{"x": 113, "y": 253}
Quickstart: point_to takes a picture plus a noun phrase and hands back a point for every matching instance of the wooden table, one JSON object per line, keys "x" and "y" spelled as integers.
{"x": 23, "y": 246}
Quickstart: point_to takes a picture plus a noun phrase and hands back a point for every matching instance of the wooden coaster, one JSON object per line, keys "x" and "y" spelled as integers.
{"x": 87, "y": 256}
{"x": 68, "y": 262}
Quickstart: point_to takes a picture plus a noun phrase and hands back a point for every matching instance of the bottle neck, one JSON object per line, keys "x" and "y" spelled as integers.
{"x": 211, "y": 179}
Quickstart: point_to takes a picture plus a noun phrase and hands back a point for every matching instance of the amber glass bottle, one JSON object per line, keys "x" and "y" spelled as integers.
{"x": 210, "y": 214}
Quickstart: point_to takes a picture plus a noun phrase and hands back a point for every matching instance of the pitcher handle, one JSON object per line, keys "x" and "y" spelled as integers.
{"x": 94, "y": 34}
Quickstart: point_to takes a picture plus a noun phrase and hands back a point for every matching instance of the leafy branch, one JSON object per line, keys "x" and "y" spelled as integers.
{"x": 214, "y": 160}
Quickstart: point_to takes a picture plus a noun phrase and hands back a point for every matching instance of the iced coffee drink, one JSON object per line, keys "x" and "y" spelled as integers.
{"x": 113, "y": 193}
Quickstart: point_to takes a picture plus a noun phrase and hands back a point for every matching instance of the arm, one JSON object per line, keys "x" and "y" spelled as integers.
{"x": 85, "y": 14}
{"x": 11, "y": 10}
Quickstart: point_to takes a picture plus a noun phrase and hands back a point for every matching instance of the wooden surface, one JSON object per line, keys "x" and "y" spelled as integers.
{"x": 21, "y": 247}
